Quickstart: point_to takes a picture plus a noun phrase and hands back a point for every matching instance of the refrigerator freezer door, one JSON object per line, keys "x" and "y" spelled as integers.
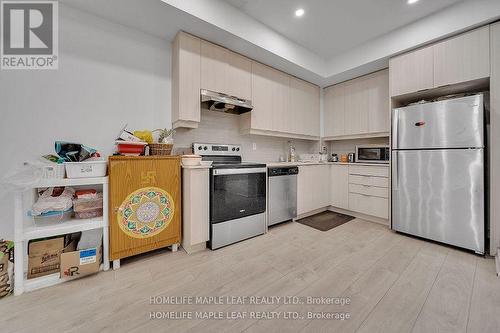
{"x": 453, "y": 123}
{"x": 439, "y": 195}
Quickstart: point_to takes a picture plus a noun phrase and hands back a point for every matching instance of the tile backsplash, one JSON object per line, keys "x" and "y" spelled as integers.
{"x": 219, "y": 127}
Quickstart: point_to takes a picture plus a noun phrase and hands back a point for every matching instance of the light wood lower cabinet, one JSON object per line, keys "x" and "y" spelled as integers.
{"x": 195, "y": 212}
{"x": 357, "y": 188}
{"x": 369, "y": 190}
{"x": 339, "y": 182}
{"x": 369, "y": 205}
{"x": 313, "y": 188}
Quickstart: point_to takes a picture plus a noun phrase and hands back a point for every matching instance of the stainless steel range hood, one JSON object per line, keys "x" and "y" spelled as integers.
{"x": 215, "y": 101}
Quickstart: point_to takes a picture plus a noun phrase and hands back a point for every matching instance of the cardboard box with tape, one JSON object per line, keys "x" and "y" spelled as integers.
{"x": 80, "y": 263}
{"x": 44, "y": 256}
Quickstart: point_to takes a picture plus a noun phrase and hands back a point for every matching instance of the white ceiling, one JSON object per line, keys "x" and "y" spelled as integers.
{"x": 363, "y": 46}
{"x": 331, "y": 27}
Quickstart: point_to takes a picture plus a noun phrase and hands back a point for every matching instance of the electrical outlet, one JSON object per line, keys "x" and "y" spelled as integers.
{"x": 254, "y": 146}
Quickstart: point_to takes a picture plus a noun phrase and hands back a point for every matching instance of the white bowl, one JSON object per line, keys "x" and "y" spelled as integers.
{"x": 191, "y": 160}
{"x": 206, "y": 163}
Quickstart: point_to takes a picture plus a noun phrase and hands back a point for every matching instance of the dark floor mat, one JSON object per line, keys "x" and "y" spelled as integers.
{"x": 326, "y": 220}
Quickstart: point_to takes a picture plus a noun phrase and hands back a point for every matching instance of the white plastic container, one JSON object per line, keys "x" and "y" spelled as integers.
{"x": 86, "y": 169}
{"x": 53, "y": 171}
{"x": 52, "y": 217}
{"x": 191, "y": 160}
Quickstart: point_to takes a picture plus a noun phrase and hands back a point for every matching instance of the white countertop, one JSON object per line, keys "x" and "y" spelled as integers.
{"x": 196, "y": 166}
{"x": 279, "y": 164}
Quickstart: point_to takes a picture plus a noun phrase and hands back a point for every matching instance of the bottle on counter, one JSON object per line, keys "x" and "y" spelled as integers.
{"x": 291, "y": 152}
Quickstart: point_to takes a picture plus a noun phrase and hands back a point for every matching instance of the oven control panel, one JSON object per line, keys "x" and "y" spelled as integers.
{"x": 216, "y": 149}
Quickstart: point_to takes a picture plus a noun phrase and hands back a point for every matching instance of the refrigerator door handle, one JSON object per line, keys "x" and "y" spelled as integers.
{"x": 395, "y": 127}
{"x": 395, "y": 171}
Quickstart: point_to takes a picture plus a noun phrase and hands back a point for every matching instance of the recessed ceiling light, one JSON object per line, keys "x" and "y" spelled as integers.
{"x": 299, "y": 12}
{"x": 411, "y": 2}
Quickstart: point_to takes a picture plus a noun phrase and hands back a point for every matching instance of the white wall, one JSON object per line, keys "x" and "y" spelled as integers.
{"x": 108, "y": 75}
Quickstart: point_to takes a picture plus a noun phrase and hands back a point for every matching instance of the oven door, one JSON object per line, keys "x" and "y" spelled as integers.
{"x": 236, "y": 193}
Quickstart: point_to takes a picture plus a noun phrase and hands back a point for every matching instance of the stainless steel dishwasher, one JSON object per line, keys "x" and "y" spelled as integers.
{"x": 282, "y": 194}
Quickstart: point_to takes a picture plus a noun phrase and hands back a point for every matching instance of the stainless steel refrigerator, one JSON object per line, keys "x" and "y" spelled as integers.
{"x": 438, "y": 171}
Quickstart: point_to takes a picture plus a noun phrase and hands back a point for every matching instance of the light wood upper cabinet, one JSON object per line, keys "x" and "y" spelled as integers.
{"x": 304, "y": 107}
{"x": 185, "y": 81}
{"x": 339, "y": 186}
{"x": 459, "y": 59}
{"x": 359, "y": 107}
{"x": 213, "y": 67}
{"x": 298, "y": 106}
{"x": 283, "y": 105}
{"x": 263, "y": 84}
{"x": 412, "y": 71}
{"x": 378, "y": 102}
{"x": 462, "y": 58}
{"x": 334, "y": 119}
{"x": 225, "y": 71}
{"x": 238, "y": 76}
{"x": 356, "y": 106}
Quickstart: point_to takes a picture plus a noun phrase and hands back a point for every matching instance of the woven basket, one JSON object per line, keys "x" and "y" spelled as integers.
{"x": 160, "y": 149}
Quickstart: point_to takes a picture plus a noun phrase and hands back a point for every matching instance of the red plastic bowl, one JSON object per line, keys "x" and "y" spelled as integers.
{"x": 130, "y": 148}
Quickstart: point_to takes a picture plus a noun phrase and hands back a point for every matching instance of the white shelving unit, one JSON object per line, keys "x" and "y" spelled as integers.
{"x": 25, "y": 230}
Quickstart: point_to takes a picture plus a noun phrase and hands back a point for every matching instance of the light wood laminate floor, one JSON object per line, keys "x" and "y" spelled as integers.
{"x": 395, "y": 284}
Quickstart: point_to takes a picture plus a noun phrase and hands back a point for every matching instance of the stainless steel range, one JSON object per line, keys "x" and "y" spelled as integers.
{"x": 237, "y": 194}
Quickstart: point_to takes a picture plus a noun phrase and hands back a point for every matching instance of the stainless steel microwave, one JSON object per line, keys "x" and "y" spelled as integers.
{"x": 372, "y": 154}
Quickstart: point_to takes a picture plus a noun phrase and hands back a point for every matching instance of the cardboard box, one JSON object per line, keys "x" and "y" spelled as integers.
{"x": 44, "y": 256}
{"x": 77, "y": 264}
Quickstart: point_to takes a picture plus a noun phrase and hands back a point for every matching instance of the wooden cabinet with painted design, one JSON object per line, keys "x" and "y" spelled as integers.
{"x": 145, "y": 204}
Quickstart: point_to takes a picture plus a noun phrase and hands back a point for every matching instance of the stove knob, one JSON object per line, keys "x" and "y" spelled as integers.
{"x": 234, "y": 149}
{"x": 205, "y": 148}
{"x": 238, "y": 149}
{"x": 199, "y": 148}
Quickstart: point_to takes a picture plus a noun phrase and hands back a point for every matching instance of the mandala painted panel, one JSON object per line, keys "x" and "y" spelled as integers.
{"x": 146, "y": 212}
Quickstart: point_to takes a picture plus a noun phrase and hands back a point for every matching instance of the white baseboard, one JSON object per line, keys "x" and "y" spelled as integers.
{"x": 360, "y": 215}
{"x": 346, "y": 212}
{"x": 311, "y": 213}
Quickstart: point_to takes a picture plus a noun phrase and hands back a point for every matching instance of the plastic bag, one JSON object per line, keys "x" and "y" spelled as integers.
{"x": 53, "y": 199}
